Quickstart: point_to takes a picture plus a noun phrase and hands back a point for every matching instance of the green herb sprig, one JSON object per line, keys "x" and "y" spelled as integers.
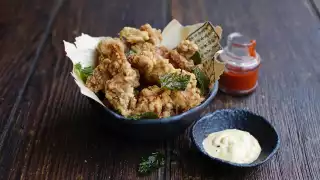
{"x": 174, "y": 81}
{"x": 151, "y": 163}
{"x": 202, "y": 81}
{"x": 146, "y": 115}
{"x": 196, "y": 57}
{"x": 83, "y": 73}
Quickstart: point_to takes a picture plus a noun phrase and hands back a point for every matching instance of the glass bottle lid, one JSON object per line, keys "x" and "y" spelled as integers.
{"x": 240, "y": 52}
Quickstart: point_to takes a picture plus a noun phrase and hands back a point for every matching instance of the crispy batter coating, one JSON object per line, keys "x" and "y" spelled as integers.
{"x": 155, "y": 99}
{"x": 151, "y": 65}
{"x": 180, "y": 61}
{"x": 189, "y": 98}
{"x": 145, "y": 46}
{"x": 118, "y": 75}
{"x": 143, "y": 61}
{"x": 161, "y": 67}
{"x": 114, "y": 75}
{"x": 110, "y": 63}
{"x": 163, "y": 51}
{"x": 133, "y": 35}
{"x": 154, "y": 34}
{"x": 180, "y": 57}
{"x": 187, "y": 48}
{"x": 165, "y": 102}
{"x": 109, "y": 46}
{"x": 120, "y": 89}
{"x": 99, "y": 77}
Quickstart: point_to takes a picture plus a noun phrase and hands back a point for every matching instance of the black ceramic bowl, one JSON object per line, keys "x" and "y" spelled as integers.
{"x": 153, "y": 128}
{"x": 244, "y": 120}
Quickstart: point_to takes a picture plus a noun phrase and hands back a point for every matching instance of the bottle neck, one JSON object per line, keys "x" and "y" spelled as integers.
{"x": 240, "y": 53}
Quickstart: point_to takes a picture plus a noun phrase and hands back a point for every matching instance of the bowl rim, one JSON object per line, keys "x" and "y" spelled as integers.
{"x": 276, "y": 148}
{"x": 212, "y": 94}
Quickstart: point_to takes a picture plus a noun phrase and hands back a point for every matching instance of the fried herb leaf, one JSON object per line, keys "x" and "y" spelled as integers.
{"x": 117, "y": 111}
{"x": 174, "y": 81}
{"x": 146, "y": 115}
{"x": 203, "y": 81}
{"x": 135, "y": 92}
{"x": 196, "y": 57}
{"x": 83, "y": 73}
{"x": 151, "y": 163}
{"x": 130, "y": 52}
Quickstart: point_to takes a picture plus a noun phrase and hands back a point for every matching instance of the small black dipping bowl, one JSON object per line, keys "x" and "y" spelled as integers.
{"x": 150, "y": 129}
{"x": 239, "y": 119}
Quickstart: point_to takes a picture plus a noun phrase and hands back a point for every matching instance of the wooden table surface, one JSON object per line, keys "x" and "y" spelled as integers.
{"x": 49, "y": 130}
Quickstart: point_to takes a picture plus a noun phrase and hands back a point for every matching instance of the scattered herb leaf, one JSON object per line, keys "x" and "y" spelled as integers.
{"x": 203, "y": 81}
{"x": 151, "y": 163}
{"x": 83, "y": 73}
{"x": 174, "y": 81}
{"x": 146, "y": 115}
{"x": 196, "y": 57}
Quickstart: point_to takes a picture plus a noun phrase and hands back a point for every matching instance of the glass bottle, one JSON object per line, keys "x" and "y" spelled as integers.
{"x": 242, "y": 64}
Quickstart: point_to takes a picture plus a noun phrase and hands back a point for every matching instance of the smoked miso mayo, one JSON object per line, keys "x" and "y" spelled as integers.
{"x": 232, "y": 145}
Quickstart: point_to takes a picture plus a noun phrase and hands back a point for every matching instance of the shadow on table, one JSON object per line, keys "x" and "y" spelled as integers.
{"x": 194, "y": 165}
{"x": 80, "y": 140}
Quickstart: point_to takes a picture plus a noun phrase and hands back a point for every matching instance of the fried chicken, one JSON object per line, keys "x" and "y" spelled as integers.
{"x": 146, "y": 33}
{"x": 120, "y": 89}
{"x": 180, "y": 61}
{"x": 145, "y": 46}
{"x": 114, "y": 75}
{"x": 118, "y": 75}
{"x": 110, "y": 62}
{"x": 187, "y": 48}
{"x": 100, "y": 75}
{"x": 133, "y": 35}
{"x": 143, "y": 61}
{"x": 180, "y": 58}
{"x": 189, "y": 98}
{"x": 163, "y": 51}
{"x": 155, "y": 36}
{"x": 166, "y": 102}
{"x": 151, "y": 65}
{"x": 155, "y": 99}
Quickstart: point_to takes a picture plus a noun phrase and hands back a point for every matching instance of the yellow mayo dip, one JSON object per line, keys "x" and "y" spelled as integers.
{"x": 232, "y": 145}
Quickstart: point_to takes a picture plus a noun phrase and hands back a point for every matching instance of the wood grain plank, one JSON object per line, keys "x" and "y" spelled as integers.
{"x": 62, "y": 137}
{"x": 288, "y": 39}
{"x": 22, "y": 25}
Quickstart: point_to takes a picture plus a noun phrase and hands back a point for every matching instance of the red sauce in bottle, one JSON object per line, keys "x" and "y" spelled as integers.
{"x": 242, "y": 66}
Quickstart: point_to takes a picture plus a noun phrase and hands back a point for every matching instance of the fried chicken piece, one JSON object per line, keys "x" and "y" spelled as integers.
{"x": 112, "y": 51}
{"x": 187, "y": 48}
{"x": 100, "y": 75}
{"x": 180, "y": 61}
{"x": 120, "y": 89}
{"x": 163, "y": 51}
{"x": 144, "y": 62}
{"x": 114, "y": 75}
{"x": 111, "y": 48}
{"x": 155, "y": 36}
{"x": 166, "y": 102}
{"x": 154, "y": 99}
{"x": 145, "y": 46}
{"x": 151, "y": 65}
{"x": 180, "y": 58}
{"x": 185, "y": 100}
{"x": 161, "y": 67}
{"x": 111, "y": 59}
{"x": 133, "y": 35}
{"x": 189, "y": 98}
